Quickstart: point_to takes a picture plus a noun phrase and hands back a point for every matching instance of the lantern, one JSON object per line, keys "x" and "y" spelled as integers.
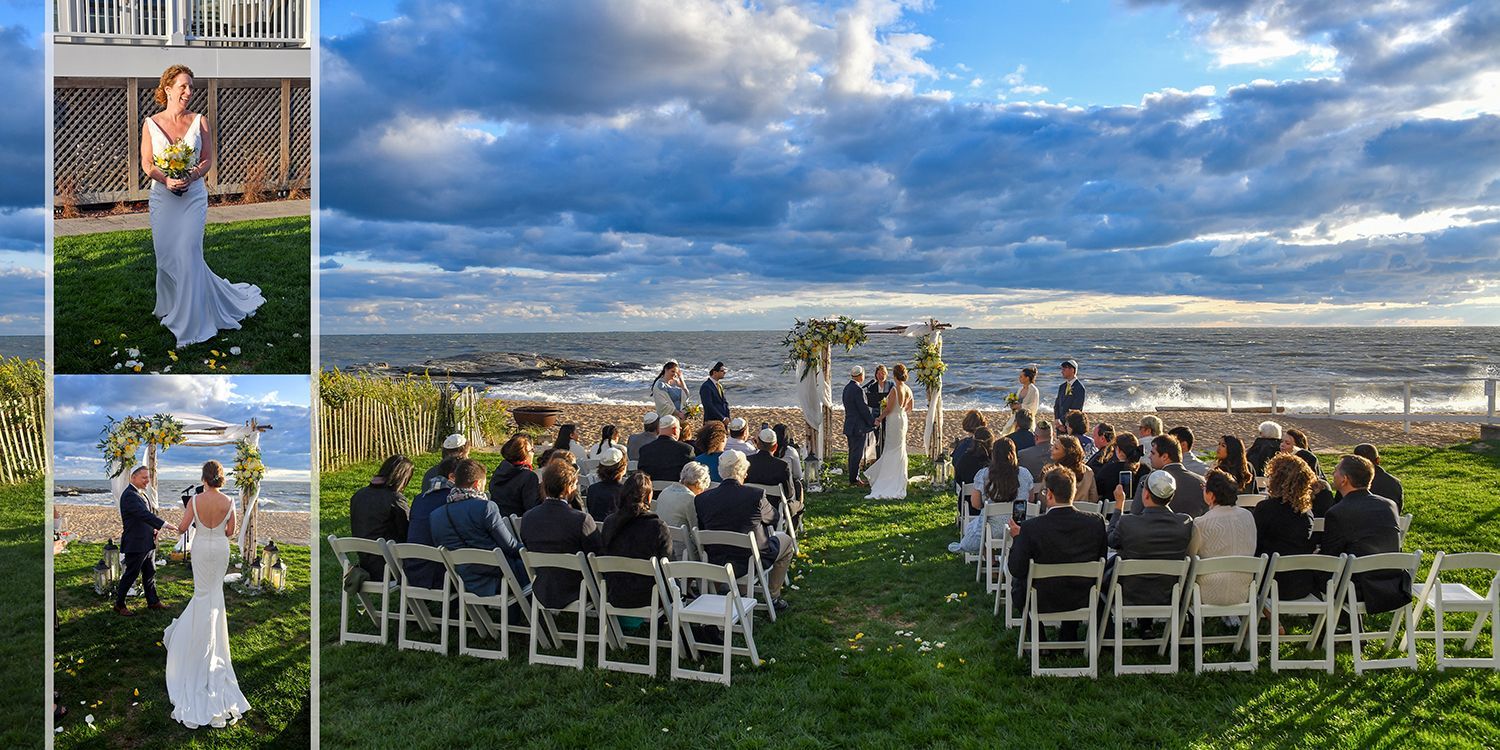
{"x": 942, "y": 471}
{"x": 112, "y": 560}
{"x": 272, "y": 554}
{"x": 812, "y": 468}
{"x": 278, "y": 576}
{"x": 257, "y": 572}
{"x": 103, "y": 581}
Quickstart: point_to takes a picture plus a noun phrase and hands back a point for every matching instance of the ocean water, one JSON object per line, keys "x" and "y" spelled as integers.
{"x": 25, "y": 347}
{"x": 1123, "y": 369}
{"x": 291, "y": 496}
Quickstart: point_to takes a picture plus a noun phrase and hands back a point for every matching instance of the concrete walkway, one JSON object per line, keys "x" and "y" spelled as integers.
{"x": 216, "y": 215}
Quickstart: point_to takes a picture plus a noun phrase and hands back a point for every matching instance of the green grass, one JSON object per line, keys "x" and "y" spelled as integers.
{"x": 106, "y": 289}
{"x": 821, "y": 693}
{"x": 102, "y": 659}
{"x": 22, "y": 649}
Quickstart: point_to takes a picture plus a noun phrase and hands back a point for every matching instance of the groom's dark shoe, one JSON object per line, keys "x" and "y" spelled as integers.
{"x": 123, "y": 611}
{"x": 156, "y": 605}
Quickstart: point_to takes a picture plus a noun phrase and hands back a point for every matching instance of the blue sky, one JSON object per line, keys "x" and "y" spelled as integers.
{"x": 21, "y": 151}
{"x": 83, "y": 404}
{"x": 646, "y": 164}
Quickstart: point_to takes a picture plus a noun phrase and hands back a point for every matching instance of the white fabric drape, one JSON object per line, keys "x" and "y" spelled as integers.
{"x": 812, "y": 395}
{"x": 933, "y": 429}
{"x": 118, "y": 482}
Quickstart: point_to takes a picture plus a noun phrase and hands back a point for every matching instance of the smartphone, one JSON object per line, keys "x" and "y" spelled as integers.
{"x": 1018, "y": 511}
{"x": 1127, "y": 477}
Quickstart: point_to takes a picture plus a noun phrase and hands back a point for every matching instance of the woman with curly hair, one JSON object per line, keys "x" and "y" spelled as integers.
{"x": 1283, "y": 521}
{"x": 1067, "y": 454}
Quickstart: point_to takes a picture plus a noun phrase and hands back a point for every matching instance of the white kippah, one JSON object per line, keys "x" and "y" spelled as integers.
{"x": 1161, "y": 484}
{"x": 650, "y": 417}
{"x": 856, "y": 371}
{"x": 738, "y": 423}
{"x": 455, "y": 441}
{"x": 611, "y": 457}
{"x": 667, "y": 422}
{"x": 768, "y": 435}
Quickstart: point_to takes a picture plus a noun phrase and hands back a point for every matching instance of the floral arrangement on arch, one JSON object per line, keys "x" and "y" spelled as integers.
{"x": 805, "y": 342}
{"x": 248, "y": 468}
{"x": 121, "y": 439}
{"x": 930, "y": 365}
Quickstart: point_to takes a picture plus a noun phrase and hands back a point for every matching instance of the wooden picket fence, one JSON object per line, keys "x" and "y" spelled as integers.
{"x": 366, "y": 429}
{"x": 23, "y": 439}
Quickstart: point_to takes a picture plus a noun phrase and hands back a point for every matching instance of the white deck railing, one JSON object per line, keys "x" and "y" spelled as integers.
{"x": 1406, "y": 416}
{"x": 250, "y": 23}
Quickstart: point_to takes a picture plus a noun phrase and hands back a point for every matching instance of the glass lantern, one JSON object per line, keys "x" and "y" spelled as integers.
{"x": 112, "y": 560}
{"x": 272, "y": 555}
{"x": 278, "y": 576}
{"x": 103, "y": 581}
{"x": 257, "y": 572}
{"x": 813, "y": 469}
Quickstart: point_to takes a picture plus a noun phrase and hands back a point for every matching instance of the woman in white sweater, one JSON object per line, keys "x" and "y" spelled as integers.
{"x": 1224, "y": 530}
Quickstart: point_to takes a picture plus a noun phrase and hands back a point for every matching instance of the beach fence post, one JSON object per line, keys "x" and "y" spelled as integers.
{"x": 1228, "y": 399}
{"x": 1273, "y": 399}
{"x": 1406, "y": 406}
{"x": 1490, "y": 386}
{"x": 1333, "y": 397}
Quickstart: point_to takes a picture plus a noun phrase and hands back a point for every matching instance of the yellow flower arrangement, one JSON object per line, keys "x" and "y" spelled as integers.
{"x": 930, "y": 365}
{"x": 807, "y": 339}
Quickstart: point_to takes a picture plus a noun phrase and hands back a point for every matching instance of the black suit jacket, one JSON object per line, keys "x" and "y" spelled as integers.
{"x": 857, "y": 417}
{"x": 138, "y": 522}
{"x": 1152, "y": 534}
{"x": 1388, "y": 487}
{"x": 715, "y": 404}
{"x": 1065, "y": 403}
{"x": 766, "y": 468}
{"x": 1061, "y": 535}
{"x": 556, "y": 526}
{"x": 734, "y": 507}
{"x": 1365, "y": 524}
{"x": 662, "y": 459}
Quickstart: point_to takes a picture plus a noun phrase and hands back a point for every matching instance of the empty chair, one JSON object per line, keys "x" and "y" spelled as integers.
{"x": 1247, "y": 610}
{"x": 543, "y": 618}
{"x": 1035, "y": 619}
{"x": 995, "y": 545}
{"x": 1356, "y": 610}
{"x": 1324, "y": 609}
{"x": 1447, "y": 598}
{"x": 414, "y": 598}
{"x": 728, "y": 611}
{"x": 1403, "y": 525}
{"x": 1116, "y": 606}
{"x": 611, "y": 634}
{"x": 684, "y": 543}
{"x": 474, "y": 610}
{"x": 755, "y": 576}
{"x": 346, "y": 550}
{"x": 1249, "y": 501}
{"x": 776, "y": 495}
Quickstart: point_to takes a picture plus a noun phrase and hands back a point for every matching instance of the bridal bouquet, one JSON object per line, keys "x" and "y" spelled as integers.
{"x": 1011, "y": 399}
{"x": 177, "y": 161}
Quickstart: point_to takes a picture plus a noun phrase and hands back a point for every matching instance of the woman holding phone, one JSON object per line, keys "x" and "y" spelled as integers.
{"x": 1125, "y": 472}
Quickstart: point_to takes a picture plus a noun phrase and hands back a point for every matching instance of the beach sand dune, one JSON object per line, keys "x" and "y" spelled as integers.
{"x": 96, "y": 523}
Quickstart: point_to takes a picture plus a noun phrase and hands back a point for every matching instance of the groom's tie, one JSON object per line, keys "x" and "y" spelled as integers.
{"x": 1069, "y": 392}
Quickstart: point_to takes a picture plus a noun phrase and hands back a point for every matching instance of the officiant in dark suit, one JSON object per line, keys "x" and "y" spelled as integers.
{"x": 858, "y": 422}
{"x": 711, "y": 395}
{"x": 875, "y": 393}
{"x": 138, "y": 543}
{"x": 1069, "y": 392}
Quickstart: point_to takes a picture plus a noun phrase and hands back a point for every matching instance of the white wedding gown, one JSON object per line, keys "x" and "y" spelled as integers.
{"x": 191, "y": 301}
{"x": 1031, "y": 400}
{"x": 200, "y": 677}
{"x": 887, "y": 476}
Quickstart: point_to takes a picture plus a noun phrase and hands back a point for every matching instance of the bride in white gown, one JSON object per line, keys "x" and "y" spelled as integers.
{"x": 191, "y": 301}
{"x": 200, "y": 676}
{"x": 887, "y": 475}
{"x": 1029, "y": 398}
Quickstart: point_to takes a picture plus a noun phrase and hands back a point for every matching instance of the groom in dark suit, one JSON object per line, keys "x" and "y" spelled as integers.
{"x": 138, "y": 543}
{"x": 858, "y": 423}
{"x": 1069, "y": 393}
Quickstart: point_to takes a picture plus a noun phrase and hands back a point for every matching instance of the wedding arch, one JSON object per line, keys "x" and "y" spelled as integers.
{"x": 123, "y": 440}
{"x": 810, "y": 345}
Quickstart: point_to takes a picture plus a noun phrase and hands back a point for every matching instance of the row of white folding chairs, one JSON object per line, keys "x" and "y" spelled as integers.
{"x": 730, "y": 611}
{"x": 1262, "y": 595}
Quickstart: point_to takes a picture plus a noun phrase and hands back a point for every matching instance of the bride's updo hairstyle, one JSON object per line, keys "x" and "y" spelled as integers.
{"x": 1030, "y": 373}
{"x": 168, "y": 77}
{"x": 213, "y": 474}
{"x": 899, "y": 372}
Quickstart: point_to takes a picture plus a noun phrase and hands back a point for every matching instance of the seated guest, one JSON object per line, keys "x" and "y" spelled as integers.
{"x": 1023, "y": 437}
{"x": 514, "y": 487}
{"x": 1166, "y": 455}
{"x": 1062, "y": 534}
{"x": 1036, "y": 456}
{"x": 1283, "y": 521}
{"x": 560, "y": 455}
{"x": 379, "y": 511}
{"x": 1068, "y": 456}
{"x": 738, "y": 440}
{"x": 973, "y": 420}
{"x": 603, "y": 496}
{"x": 975, "y": 457}
{"x": 455, "y": 446}
{"x": 426, "y": 573}
{"x": 1190, "y": 461}
{"x": 767, "y": 469}
{"x": 1127, "y": 457}
{"x": 647, "y": 434}
{"x": 1294, "y": 441}
{"x": 569, "y": 438}
{"x": 1267, "y": 444}
{"x": 1231, "y": 460}
{"x": 734, "y": 507}
{"x": 468, "y": 520}
{"x": 1366, "y": 524}
{"x": 1147, "y": 430}
{"x": 1223, "y": 531}
{"x": 1077, "y": 425}
{"x": 1104, "y": 449}
{"x": 791, "y": 455}
{"x": 606, "y": 442}
{"x": 1155, "y": 533}
{"x": 1003, "y": 481}
{"x": 711, "y": 442}
{"x": 1383, "y": 484}
{"x": 634, "y": 531}
{"x": 675, "y": 505}
{"x": 556, "y": 526}
{"x": 662, "y": 459}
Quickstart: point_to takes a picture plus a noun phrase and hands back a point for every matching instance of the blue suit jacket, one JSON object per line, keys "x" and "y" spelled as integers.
{"x": 1065, "y": 403}
{"x": 475, "y": 524}
{"x": 715, "y": 405}
{"x": 857, "y": 418}
{"x": 139, "y": 522}
{"x": 419, "y": 531}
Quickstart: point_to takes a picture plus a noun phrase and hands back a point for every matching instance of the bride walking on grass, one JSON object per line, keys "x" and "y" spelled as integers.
{"x": 887, "y": 475}
{"x": 177, "y": 151}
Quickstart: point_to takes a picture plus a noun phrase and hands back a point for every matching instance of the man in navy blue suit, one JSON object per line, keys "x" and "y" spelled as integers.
{"x": 711, "y": 395}
{"x": 858, "y": 422}
{"x": 1069, "y": 393}
{"x": 138, "y": 543}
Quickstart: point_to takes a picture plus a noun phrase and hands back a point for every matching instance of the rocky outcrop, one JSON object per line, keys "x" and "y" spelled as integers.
{"x": 505, "y": 367}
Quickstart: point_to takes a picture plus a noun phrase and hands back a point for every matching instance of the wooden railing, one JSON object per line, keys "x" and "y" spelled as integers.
{"x": 1406, "y": 416}
{"x": 245, "y": 23}
{"x": 23, "y": 440}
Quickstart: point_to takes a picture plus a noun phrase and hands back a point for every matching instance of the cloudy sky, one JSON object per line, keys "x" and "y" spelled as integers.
{"x": 21, "y": 160}
{"x": 691, "y": 164}
{"x": 85, "y": 402}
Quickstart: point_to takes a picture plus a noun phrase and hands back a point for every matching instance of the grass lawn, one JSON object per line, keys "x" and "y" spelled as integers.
{"x": 106, "y": 289}
{"x": 22, "y": 648}
{"x": 843, "y": 678}
{"x": 101, "y": 660}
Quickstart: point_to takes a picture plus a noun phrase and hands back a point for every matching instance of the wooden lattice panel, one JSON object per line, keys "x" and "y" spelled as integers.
{"x": 147, "y": 106}
{"x": 249, "y": 130}
{"x": 301, "y": 136}
{"x": 90, "y": 151}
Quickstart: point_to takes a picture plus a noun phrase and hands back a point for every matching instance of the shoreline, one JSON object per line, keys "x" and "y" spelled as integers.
{"x": 97, "y": 523}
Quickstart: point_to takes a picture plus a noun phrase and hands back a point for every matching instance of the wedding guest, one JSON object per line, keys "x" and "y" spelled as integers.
{"x": 1184, "y": 435}
{"x": 1283, "y": 521}
{"x": 711, "y": 445}
{"x": 767, "y": 469}
{"x": 1294, "y": 441}
{"x": 976, "y": 455}
{"x": 1061, "y": 534}
{"x": 663, "y": 458}
{"x": 647, "y": 434}
{"x": 1035, "y": 457}
{"x": 686, "y": 433}
{"x": 669, "y": 392}
{"x": 1267, "y": 444}
{"x": 515, "y": 487}
{"x": 972, "y": 421}
{"x": 603, "y": 496}
{"x": 1003, "y": 481}
{"x": 1383, "y": 484}
{"x": 1166, "y": 455}
{"x": 1023, "y": 437}
{"x": 1224, "y": 530}
{"x": 569, "y": 438}
{"x": 606, "y": 442}
{"x": 858, "y": 423}
{"x": 711, "y": 395}
{"x": 1231, "y": 460}
{"x": 1067, "y": 455}
{"x": 1028, "y": 399}
{"x": 738, "y": 437}
{"x": 468, "y": 520}
{"x": 1104, "y": 450}
{"x": 560, "y": 455}
{"x": 675, "y": 504}
{"x": 788, "y": 452}
{"x": 379, "y": 510}
{"x": 1154, "y": 533}
{"x": 556, "y": 526}
{"x": 1077, "y": 425}
{"x": 1126, "y": 457}
{"x": 634, "y": 531}
{"x": 455, "y": 446}
{"x": 734, "y": 507}
{"x": 1146, "y": 431}
{"x": 875, "y": 393}
{"x": 1362, "y": 524}
{"x": 426, "y": 573}
{"x": 1070, "y": 393}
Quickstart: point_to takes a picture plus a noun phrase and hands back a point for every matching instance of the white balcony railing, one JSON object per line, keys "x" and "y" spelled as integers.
{"x": 248, "y": 23}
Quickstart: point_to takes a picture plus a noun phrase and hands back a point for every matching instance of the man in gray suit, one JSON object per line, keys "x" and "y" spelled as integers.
{"x": 1155, "y": 533}
{"x": 1037, "y": 456}
{"x": 1184, "y": 435}
{"x": 1166, "y": 455}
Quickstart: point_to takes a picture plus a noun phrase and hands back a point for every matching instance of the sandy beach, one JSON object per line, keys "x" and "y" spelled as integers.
{"x": 1323, "y": 434}
{"x": 94, "y": 523}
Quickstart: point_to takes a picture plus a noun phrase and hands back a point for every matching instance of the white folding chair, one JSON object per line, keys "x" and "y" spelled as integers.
{"x": 346, "y": 550}
{"x": 1248, "y": 610}
{"x": 1403, "y": 525}
{"x": 414, "y": 598}
{"x": 474, "y": 610}
{"x": 1033, "y": 509}
{"x": 965, "y": 511}
{"x": 543, "y": 616}
{"x": 1035, "y": 618}
{"x": 658, "y": 487}
{"x": 776, "y": 495}
{"x": 611, "y": 635}
{"x": 631, "y": 465}
{"x": 755, "y": 576}
{"x": 1261, "y": 483}
{"x": 1249, "y": 500}
{"x": 1317, "y": 525}
{"x": 1088, "y": 507}
{"x": 729, "y": 612}
{"x": 1447, "y": 598}
{"x": 515, "y": 524}
{"x": 994, "y": 545}
{"x": 1355, "y": 609}
{"x": 1324, "y": 609}
{"x": 1168, "y": 611}
{"x": 684, "y": 539}
{"x": 587, "y": 466}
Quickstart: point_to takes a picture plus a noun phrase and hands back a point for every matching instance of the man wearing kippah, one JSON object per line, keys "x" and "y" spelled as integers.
{"x": 455, "y": 447}
{"x": 1156, "y": 533}
{"x": 736, "y": 441}
{"x": 711, "y": 395}
{"x": 647, "y": 434}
